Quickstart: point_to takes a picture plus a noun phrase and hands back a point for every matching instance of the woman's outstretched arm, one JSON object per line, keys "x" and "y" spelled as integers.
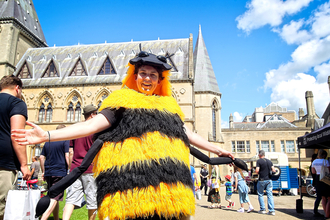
{"x": 201, "y": 143}
{"x": 36, "y": 135}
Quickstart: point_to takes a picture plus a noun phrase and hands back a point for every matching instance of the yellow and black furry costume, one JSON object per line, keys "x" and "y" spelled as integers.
{"x": 141, "y": 162}
{"x": 143, "y": 169}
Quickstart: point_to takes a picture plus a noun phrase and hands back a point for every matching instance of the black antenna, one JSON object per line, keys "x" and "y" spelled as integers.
{"x": 168, "y": 56}
{"x": 140, "y": 47}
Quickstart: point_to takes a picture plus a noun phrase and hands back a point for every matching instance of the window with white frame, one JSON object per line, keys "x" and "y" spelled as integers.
{"x": 248, "y": 147}
{"x": 282, "y": 147}
{"x": 272, "y": 144}
{"x": 233, "y": 148}
{"x": 258, "y": 146}
{"x": 289, "y": 146}
{"x": 240, "y": 147}
{"x": 265, "y": 146}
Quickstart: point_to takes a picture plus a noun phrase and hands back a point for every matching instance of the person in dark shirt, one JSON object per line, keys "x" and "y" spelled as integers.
{"x": 263, "y": 168}
{"x": 204, "y": 174}
{"x": 54, "y": 161}
{"x": 13, "y": 115}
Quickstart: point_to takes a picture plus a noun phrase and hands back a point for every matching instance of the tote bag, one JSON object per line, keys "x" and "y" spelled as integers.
{"x": 324, "y": 170}
{"x": 21, "y": 204}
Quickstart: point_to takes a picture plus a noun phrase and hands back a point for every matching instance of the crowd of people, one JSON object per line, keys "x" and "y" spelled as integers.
{"x": 135, "y": 142}
{"x": 140, "y": 144}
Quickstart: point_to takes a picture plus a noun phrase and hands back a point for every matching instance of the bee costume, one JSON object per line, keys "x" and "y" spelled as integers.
{"x": 141, "y": 162}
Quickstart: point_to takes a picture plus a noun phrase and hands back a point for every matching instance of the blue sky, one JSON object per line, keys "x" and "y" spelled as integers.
{"x": 262, "y": 51}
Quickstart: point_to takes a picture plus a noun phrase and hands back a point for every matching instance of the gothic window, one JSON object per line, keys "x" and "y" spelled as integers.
{"x": 79, "y": 69}
{"x": 51, "y": 71}
{"x": 24, "y": 73}
{"x": 42, "y": 113}
{"x": 70, "y": 114}
{"x": 107, "y": 68}
{"x": 49, "y": 113}
{"x": 77, "y": 116}
{"x": 74, "y": 112}
{"x": 214, "y": 120}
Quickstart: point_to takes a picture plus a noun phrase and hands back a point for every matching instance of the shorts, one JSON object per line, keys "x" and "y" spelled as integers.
{"x": 227, "y": 197}
{"x": 85, "y": 184}
{"x": 8, "y": 179}
{"x": 51, "y": 180}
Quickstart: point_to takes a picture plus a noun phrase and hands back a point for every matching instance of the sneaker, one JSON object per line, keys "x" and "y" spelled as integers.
{"x": 232, "y": 204}
{"x": 271, "y": 213}
{"x": 262, "y": 212}
{"x": 240, "y": 210}
{"x": 251, "y": 209}
{"x": 229, "y": 207}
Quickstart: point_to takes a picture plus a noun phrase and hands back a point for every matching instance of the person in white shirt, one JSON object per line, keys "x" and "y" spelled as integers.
{"x": 322, "y": 188}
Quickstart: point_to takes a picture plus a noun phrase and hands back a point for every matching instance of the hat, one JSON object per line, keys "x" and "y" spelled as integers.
{"x": 228, "y": 177}
{"x": 89, "y": 109}
{"x": 164, "y": 87}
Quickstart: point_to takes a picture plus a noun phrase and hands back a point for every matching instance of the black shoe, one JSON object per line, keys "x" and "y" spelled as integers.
{"x": 317, "y": 214}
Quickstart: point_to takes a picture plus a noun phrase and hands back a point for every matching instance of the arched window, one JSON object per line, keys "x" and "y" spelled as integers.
{"x": 74, "y": 112}
{"x": 214, "y": 120}
{"x": 70, "y": 114}
{"x": 49, "y": 113}
{"x": 42, "y": 113}
{"x": 77, "y": 112}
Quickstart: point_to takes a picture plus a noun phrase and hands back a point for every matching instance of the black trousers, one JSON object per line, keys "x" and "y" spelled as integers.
{"x": 204, "y": 184}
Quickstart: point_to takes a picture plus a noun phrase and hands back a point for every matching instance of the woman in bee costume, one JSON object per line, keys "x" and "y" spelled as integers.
{"x": 141, "y": 152}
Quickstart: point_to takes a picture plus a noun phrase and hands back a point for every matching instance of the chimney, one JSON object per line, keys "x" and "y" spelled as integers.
{"x": 301, "y": 113}
{"x": 231, "y": 121}
{"x": 310, "y": 109}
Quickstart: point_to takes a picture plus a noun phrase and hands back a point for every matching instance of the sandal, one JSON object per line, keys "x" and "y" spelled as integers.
{"x": 212, "y": 207}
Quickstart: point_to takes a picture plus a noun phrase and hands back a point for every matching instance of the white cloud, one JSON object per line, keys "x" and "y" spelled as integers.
{"x": 321, "y": 21}
{"x": 305, "y": 57}
{"x": 291, "y": 93}
{"x": 263, "y": 12}
{"x": 323, "y": 71}
{"x": 292, "y": 34}
{"x": 238, "y": 117}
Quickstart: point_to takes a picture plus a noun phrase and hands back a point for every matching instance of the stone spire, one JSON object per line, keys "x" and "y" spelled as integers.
{"x": 24, "y": 15}
{"x": 205, "y": 80}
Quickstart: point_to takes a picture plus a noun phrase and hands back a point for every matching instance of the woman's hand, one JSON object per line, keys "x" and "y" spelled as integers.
{"x": 35, "y": 135}
{"x": 224, "y": 153}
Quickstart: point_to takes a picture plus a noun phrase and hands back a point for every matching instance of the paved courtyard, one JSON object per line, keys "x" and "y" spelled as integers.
{"x": 285, "y": 208}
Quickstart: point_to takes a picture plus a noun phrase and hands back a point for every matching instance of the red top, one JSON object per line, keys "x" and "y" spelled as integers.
{"x": 80, "y": 147}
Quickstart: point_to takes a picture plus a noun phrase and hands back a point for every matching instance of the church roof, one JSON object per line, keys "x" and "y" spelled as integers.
{"x": 205, "y": 80}
{"x": 23, "y": 12}
{"x": 92, "y": 57}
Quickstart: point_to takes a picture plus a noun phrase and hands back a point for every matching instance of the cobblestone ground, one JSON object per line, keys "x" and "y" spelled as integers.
{"x": 285, "y": 208}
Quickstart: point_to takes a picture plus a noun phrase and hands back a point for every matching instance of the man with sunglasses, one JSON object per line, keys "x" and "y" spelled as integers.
{"x": 13, "y": 157}
{"x": 142, "y": 147}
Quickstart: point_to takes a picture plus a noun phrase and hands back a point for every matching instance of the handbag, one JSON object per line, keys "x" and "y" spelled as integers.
{"x": 198, "y": 194}
{"x": 209, "y": 183}
{"x": 324, "y": 170}
{"x": 21, "y": 204}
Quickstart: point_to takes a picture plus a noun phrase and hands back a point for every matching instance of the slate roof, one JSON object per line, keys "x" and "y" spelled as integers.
{"x": 23, "y": 12}
{"x": 205, "y": 80}
{"x": 93, "y": 57}
{"x": 273, "y": 122}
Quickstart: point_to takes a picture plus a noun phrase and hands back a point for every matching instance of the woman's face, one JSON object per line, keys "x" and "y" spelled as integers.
{"x": 147, "y": 79}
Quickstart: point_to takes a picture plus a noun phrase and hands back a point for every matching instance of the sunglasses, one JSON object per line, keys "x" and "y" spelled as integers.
{"x": 159, "y": 57}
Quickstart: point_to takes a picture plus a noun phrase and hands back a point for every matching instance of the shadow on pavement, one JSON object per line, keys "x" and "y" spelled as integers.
{"x": 307, "y": 214}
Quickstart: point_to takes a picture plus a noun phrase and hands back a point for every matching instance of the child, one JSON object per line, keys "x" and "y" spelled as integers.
{"x": 242, "y": 189}
{"x": 214, "y": 194}
{"x": 229, "y": 192}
